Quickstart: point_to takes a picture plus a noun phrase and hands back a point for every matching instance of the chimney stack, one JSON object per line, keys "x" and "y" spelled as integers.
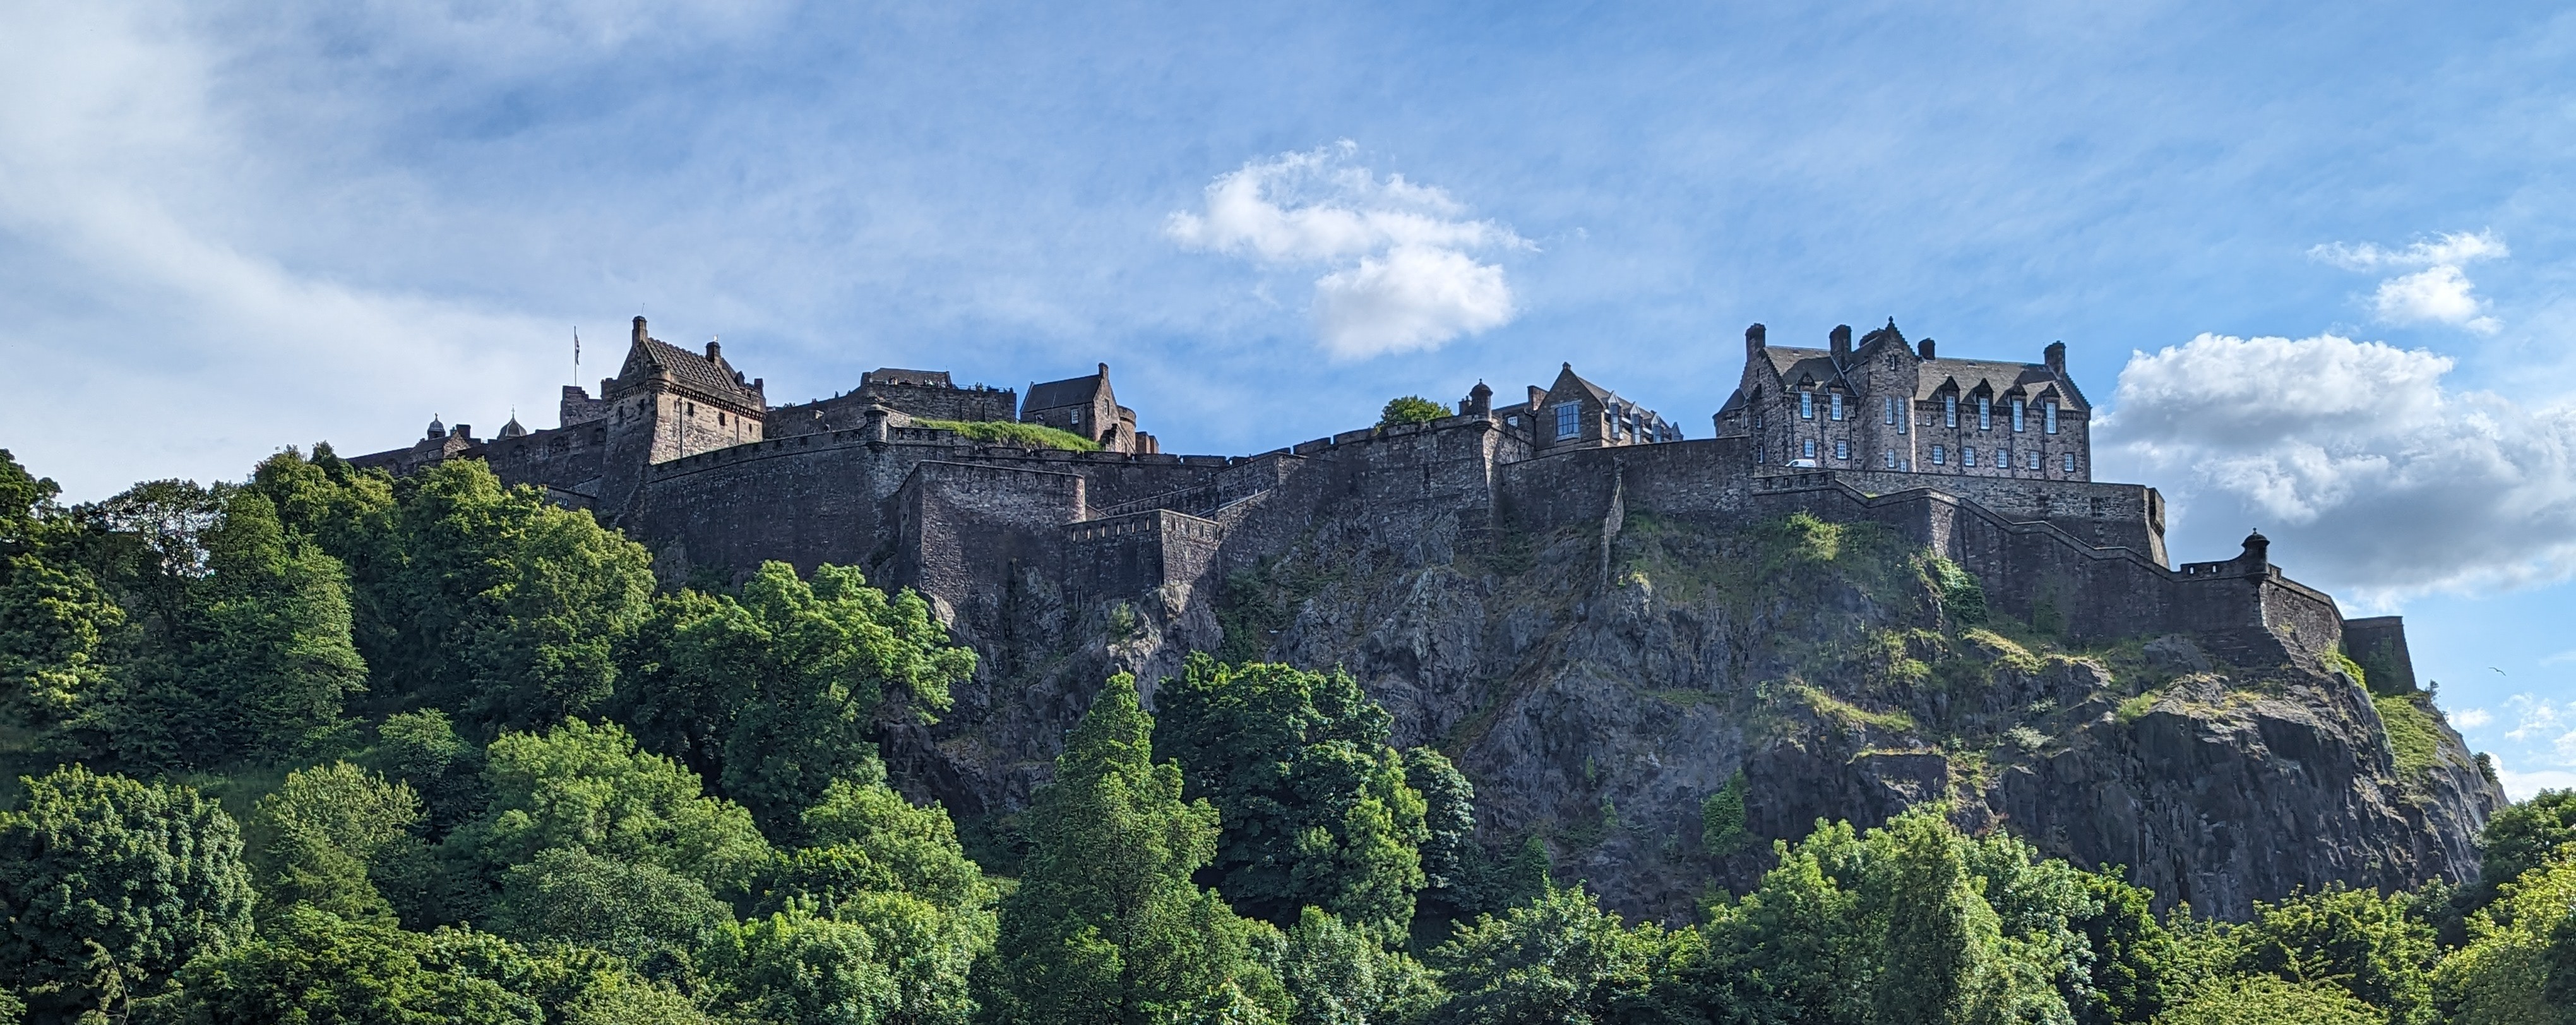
{"x": 714, "y": 351}
{"x": 639, "y": 330}
{"x": 1754, "y": 340}
{"x": 1841, "y": 344}
{"x": 1924, "y": 348}
{"x": 2056, "y": 357}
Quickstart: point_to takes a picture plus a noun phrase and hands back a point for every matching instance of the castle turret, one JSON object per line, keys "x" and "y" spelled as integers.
{"x": 1480, "y": 401}
{"x": 2258, "y": 551}
{"x": 436, "y": 430}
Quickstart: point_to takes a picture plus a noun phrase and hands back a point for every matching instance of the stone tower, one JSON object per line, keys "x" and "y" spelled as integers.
{"x": 666, "y": 403}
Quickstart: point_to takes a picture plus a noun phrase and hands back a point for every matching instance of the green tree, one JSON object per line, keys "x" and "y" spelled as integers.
{"x": 639, "y": 911}
{"x": 1561, "y": 959}
{"x": 2266, "y": 1000}
{"x": 109, "y": 885}
{"x": 2521, "y": 837}
{"x": 422, "y": 751}
{"x": 775, "y": 693}
{"x": 1315, "y": 804}
{"x": 1798, "y": 948}
{"x": 1411, "y": 409}
{"x": 587, "y": 788}
{"x": 270, "y": 658}
{"x": 2519, "y": 967}
{"x": 308, "y": 965}
{"x": 1340, "y": 975}
{"x": 495, "y": 604}
{"x": 325, "y": 834}
{"x": 2366, "y": 943}
{"x": 1106, "y": 926}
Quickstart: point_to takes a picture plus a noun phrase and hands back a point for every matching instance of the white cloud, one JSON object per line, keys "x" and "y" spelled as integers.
{"x": 2437, "y": 291}
{"x": 2523, "y": 786}
{"x": 1399, "y": 274}
{"x": 2534, "y": 719}
{"x": 2471, "y": 718}
{"x": 2356, "y": 453}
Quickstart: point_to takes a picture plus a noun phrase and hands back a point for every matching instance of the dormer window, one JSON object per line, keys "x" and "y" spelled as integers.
{"x": 1838, "y": 405}
{"x": 1949, "y": 411}
{"x": 1569, "y": 419}
{"x": 2048, "y": 417}
{"x": 1806, "y": 405}
{"x": 1985, "y": 413}
{"x": 2016, "y": 416}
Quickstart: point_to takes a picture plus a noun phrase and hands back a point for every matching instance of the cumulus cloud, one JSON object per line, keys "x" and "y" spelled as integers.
{"x": 2436, "y": 291}
{"x": 1398, "y": 258}
{"x": 2385, "y": 480}
{"x": 2471, "y": 718}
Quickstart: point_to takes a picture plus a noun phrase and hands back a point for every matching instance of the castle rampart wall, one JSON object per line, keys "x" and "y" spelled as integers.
{"x": 563, "y": 458}
{"x": 964, "y": 531}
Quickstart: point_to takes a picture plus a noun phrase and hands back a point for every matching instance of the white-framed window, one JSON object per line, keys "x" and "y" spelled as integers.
{"x": 1888, "y": 408}
{"x": 1515, "y": 420}
{"x": 2033, "y": 461}
{"x": 1810, "y": 448}
{"x": 1950, "y": 411}
{"x": 2003, "y": 459}
{"x": 1838, "y": 405}
{"x": 1761, "y": 452}
{"x": 1842, "y": 450}
{"x": 1967, "y": 456}
{"x": 2016, "y": 416}
{"x": 2070, "y": 462}
{"x": 1891, "y": 459}
{"x": 1939, "y": 457}
{"x": 1985, "y": 413}
{"x": 1806, "y": 405}
{"x": 1569, "y": 419}
{"x": 2048, "y": 417}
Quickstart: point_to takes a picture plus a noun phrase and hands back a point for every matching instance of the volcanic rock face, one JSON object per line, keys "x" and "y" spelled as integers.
{"x": 1599, "y": 693}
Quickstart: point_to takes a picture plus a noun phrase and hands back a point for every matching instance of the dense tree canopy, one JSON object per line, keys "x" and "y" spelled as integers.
{"x": 491, "y": 772}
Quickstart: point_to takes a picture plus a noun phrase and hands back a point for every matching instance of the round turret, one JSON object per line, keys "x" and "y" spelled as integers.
{"x": 512, "y": 429}
{"x": 437, "y": 430}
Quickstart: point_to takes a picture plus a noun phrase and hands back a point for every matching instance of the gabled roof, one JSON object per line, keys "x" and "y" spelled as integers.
{"x": 709, "y": 376}
{"x": 1793, "y": 364}
{"x": 1072, "y": 391}
{"x": 1598, "y": 392}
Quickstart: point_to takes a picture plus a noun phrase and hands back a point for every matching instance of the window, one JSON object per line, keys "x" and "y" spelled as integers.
{"x": 2016, "y": 416}
{"x": 1515, "y": 420}
{"x": 1842, "y": 450}
{"x": 1810, "y": 448}
{"x": 1838, "y": 405}
{"x": 1985, "y": 413}
{"x": 2070, "y": 462}
{"x": 1569, "y": 419}
{"x": 1949, "y": 411}
{"x": 2048, "y": 417}
{"x": 1890, "y": 408}
{"x": 1891, "y": 459}
{"x": 2003, "y": 459}
{"x": 1075, "y": 417}
{"x": 1757, "y": 418}
{"x": 1967, "y": 457}
{"x": 2033, "y": 462}
{"x": 1939, "y": 457}
{"x": 1806, "y": 405}
{"x": 1761, "y": 452}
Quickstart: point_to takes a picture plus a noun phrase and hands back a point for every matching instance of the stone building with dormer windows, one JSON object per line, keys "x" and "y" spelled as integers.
{"x": 1886, "y": 406}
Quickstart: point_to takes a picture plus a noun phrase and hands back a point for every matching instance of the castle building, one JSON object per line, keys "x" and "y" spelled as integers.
{"x": 1986, "y": 462}
{"x": 1889, "y": 407}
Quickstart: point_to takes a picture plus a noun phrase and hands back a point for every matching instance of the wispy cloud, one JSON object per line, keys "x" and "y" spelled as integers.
{"x": 2437, "y": 291}
{"x": 2471, "y": 718}
{"x": 2397, "y": 482}
{"x": 1400, "y": 275}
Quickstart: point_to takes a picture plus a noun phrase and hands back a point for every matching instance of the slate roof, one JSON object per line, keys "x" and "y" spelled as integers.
{"x": 713, "y": 378}
{"x": 1794, "y": 364}
{"x": 1072, "y": 391}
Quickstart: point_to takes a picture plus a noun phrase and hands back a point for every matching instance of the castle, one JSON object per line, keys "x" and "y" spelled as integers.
{"x": 1988, "y": 463}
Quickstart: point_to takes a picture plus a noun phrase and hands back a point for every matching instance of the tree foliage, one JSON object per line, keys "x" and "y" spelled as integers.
{"x": 326, "y": 834}
{"x": 109, "y": 885}
{"x": 1106, "y": 926}
{"x": 1315, "y": 805}
{"x": 774, "y": 692}
{"x": 1410, "y": 409}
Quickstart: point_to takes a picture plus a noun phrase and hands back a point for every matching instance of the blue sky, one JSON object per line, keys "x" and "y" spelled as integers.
{"x": 230, "y": 227}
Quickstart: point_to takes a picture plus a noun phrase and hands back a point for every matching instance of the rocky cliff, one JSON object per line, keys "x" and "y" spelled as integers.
{"x": 1603, "y": 686}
